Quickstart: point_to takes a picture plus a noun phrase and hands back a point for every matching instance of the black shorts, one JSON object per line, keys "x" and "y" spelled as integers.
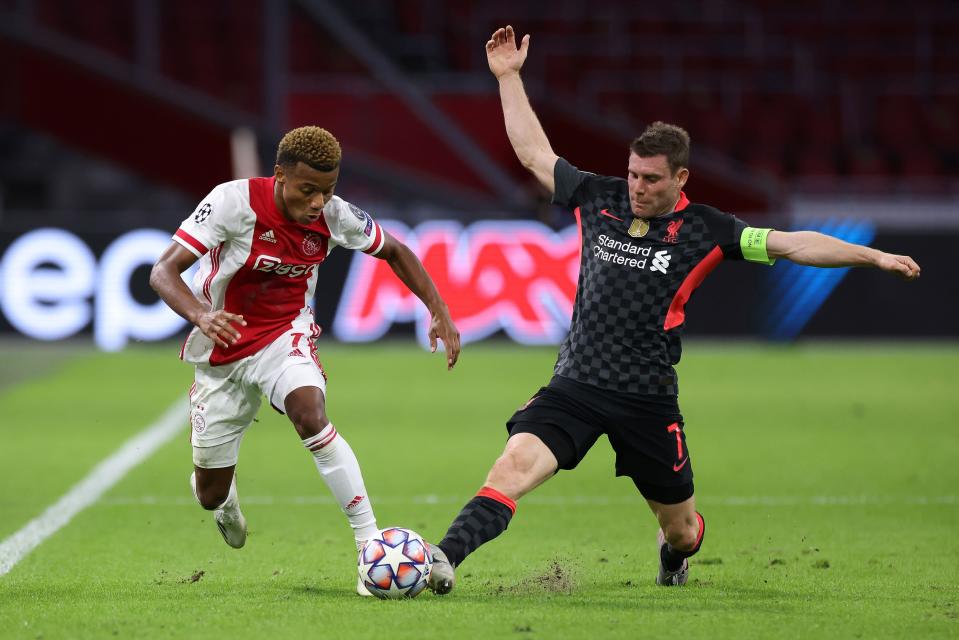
{"x": 646, "y": 433}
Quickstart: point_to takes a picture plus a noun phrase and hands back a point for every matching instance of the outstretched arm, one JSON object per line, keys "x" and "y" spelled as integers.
{"x": 410, "y": 271}
{"x": 819, "y": 250}
{"x": 522, "y": 126}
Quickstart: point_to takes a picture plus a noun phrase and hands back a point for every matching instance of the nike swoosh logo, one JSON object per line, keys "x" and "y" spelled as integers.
{"x": 677, "y": 467}
{"x": 605, "y": 212}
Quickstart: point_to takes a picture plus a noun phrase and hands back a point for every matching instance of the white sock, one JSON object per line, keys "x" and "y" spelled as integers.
{"x": 193, "y": 487}
{"x": 341, "y": 471}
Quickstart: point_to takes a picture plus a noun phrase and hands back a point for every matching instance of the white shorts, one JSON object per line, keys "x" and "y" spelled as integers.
{"x": 225, "y": 399}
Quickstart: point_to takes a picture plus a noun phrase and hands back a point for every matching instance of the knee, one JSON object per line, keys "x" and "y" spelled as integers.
{"x": 308, "y": 422}
{"x": 210, "y": 491}
{"x": 211, "y": 498}
{"x": 512, "y": 473}
{"x": 306, "y": 409}
{"x": 682, "y": 534}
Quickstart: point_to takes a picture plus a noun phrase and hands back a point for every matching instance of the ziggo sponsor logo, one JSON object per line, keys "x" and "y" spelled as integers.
{"x": 518, "y": 277}
{"x": 269, "y": 264}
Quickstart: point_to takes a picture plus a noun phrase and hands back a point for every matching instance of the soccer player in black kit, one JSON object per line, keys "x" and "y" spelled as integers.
{"x": 645, "y": 249}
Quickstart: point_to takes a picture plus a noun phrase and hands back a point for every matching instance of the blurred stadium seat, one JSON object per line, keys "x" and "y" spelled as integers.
{"x": 787, "y": 95}
{"x": 118, "y": 115}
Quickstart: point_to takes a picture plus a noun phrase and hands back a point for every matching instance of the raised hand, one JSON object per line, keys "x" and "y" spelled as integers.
{"x": 902, "y": 266}
{"x": 442, "y": 327}
{"x": 218, "y": 327}
{"x": 501, "y": 52}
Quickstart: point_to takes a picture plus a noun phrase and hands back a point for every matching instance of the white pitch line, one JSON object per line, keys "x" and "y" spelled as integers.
{"x": 726, "y": 501}
{"x": 87, "y": 491}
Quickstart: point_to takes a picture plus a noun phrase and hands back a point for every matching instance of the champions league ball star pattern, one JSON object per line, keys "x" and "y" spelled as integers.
{"x": 395, "y": 563}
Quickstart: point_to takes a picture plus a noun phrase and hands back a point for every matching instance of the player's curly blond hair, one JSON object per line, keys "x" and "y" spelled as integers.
{"x": 314, "y": 146}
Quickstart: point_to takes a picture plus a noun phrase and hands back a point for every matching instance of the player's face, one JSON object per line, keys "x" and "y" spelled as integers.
{"x": 302, "y": 191}
{"x": 653, "y": 188}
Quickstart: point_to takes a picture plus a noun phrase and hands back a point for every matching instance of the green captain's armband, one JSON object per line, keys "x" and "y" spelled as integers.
{"x": 753, "y": 244}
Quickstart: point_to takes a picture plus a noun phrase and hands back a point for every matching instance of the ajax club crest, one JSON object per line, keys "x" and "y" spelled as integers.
{"x": 312, "y": 244}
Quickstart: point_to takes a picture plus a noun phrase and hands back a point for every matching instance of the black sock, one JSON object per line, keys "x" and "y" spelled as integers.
{"x": 673, "y": 558}
{"x": 482, "y": 519}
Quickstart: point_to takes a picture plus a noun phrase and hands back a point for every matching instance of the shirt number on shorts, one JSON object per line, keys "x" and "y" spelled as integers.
{"x": 681, "y": 460}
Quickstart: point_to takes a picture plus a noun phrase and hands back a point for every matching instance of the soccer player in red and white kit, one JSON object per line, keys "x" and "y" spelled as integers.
{"x": 260, "y": 242}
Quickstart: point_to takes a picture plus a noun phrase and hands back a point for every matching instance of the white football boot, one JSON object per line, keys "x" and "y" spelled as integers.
{"x": 232, "y": 525}
{"x": 442, "y": 577}
{"x": 667, "y": 578}
{"x": 361, "y": 589}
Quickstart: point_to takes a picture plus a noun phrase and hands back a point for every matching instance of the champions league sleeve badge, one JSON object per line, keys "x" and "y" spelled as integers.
{"x": 359, "y": 213}
{"x": 203, "y": 213}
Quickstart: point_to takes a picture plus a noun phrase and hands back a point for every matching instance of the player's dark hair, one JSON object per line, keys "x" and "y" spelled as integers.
{"x": 314, "y": 146}
{"x": 665, "y": 139}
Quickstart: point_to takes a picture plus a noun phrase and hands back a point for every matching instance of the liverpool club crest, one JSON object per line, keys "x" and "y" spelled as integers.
{"x": 672, "y": 231}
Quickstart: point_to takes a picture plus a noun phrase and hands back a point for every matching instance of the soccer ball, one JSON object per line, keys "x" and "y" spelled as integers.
{"x": 395, "y": 563}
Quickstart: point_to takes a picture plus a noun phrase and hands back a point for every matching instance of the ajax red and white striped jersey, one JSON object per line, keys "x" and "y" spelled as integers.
{"x": 257, "y": 263}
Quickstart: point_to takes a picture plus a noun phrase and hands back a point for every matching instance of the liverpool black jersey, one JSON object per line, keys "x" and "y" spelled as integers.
{"x": 635, "y": 277}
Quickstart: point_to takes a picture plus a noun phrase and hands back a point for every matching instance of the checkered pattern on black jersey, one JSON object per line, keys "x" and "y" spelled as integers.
{"x": 617, "y": 339}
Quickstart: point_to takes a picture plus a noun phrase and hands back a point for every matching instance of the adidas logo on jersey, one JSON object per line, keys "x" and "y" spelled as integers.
{"x": 296, "y": 353}
{"x": 268, "y": 236}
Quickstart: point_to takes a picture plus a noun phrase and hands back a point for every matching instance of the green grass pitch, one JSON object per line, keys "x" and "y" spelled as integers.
{"x": 827, "y": 475}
